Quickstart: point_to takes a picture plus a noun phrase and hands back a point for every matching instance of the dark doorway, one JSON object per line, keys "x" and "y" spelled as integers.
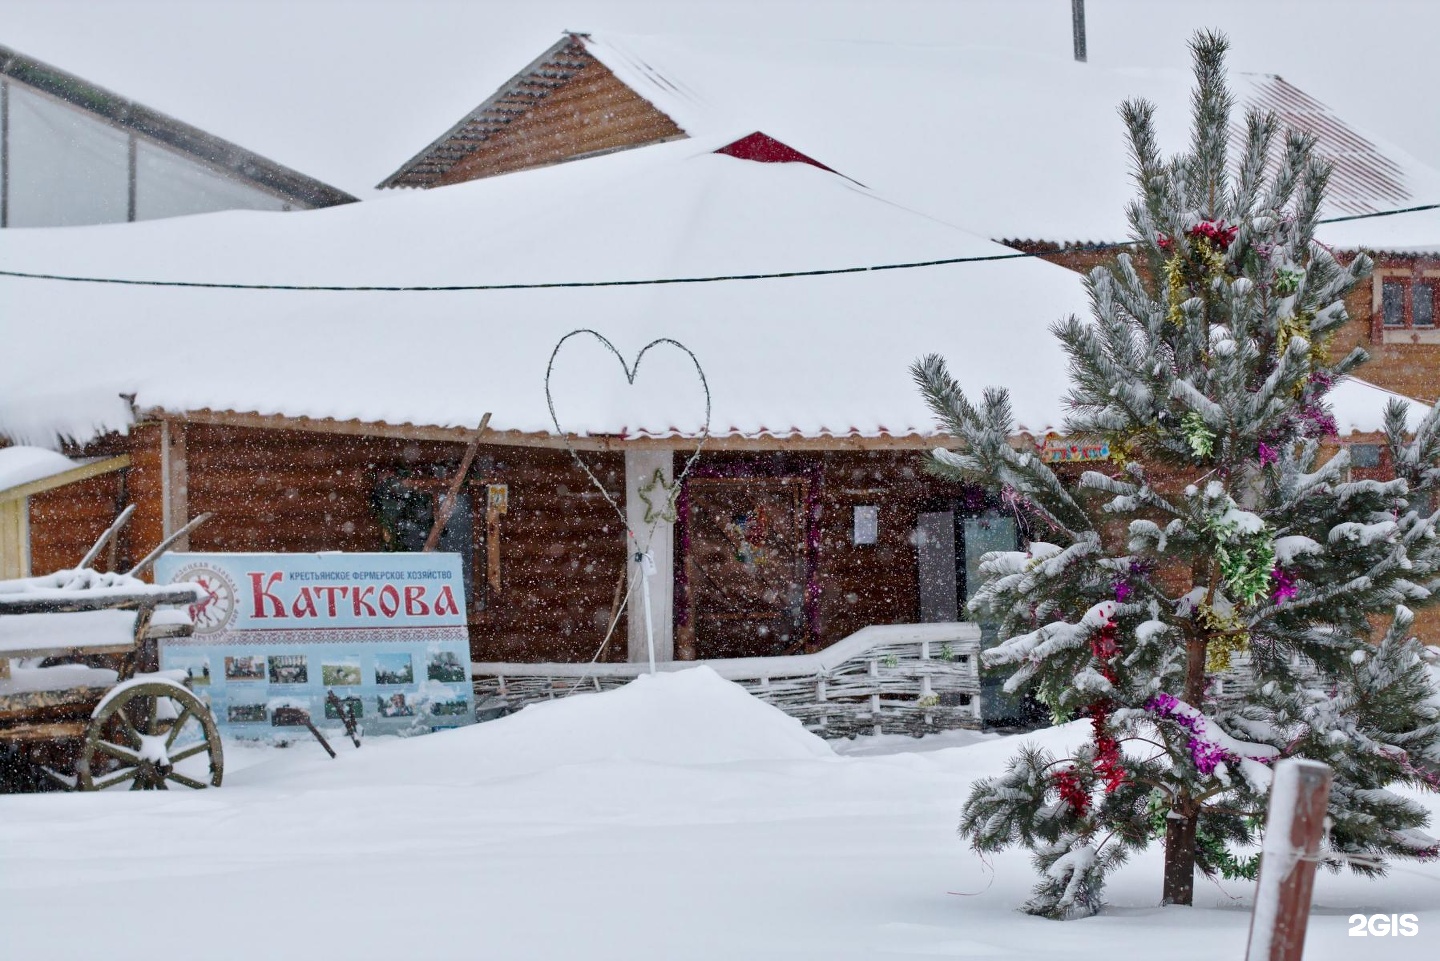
{"x": 747, "y": 567}
{"x": 950, "y": 541}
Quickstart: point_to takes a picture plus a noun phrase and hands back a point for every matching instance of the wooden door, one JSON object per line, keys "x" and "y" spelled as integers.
{"x": 746, "y": 567}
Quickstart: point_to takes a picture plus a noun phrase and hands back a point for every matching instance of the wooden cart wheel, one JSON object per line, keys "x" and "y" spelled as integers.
{"x": 141, "y": 731}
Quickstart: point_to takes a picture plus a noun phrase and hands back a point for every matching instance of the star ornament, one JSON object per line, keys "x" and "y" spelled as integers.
{"x": 659, "y": 499}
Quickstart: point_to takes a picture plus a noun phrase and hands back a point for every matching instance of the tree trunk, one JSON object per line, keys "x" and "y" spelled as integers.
{"x": 1195, "y": 669}
{"x": 1180, "y": 859}
{"x": 1184, "y": 818}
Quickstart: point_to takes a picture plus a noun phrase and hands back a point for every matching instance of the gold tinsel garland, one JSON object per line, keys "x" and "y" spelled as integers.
{"x": 1208, "y": 261}
{"x": 1230, "y": 638}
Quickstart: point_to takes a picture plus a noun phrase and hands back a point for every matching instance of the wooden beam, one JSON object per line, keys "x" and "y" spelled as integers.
{"x": 70, "y": 602}
{"x": 177, "y": 537}
{"x": 515, "y": 438}
{"x": 442, "y": 516}
{"x": 76, "y": 474}
{"x": 109, "y": 537}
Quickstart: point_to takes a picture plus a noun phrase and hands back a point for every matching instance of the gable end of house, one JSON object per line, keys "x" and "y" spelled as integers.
{"x": 564, "y": 106}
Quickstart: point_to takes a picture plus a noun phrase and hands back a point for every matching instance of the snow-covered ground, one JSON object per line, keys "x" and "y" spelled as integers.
{"x": 675, "y": 818}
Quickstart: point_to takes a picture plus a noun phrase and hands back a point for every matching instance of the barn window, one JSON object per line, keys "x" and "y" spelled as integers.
{"x": 1404, "y": 305}
{"x": 1393, "y": 300}
{"x": 1364, "y": 455}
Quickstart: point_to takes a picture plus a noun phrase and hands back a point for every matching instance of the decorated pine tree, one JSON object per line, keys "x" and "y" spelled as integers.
{"x": 1224, "y": 594}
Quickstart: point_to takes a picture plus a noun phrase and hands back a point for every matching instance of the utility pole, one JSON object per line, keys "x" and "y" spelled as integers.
{"x": 1077, "y": 19}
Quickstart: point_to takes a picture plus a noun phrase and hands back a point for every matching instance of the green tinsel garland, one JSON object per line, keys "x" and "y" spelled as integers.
{"x": 1198, "y": 435}
{"x": 1246, "y": 560}
{"x": 1287, "y": 281}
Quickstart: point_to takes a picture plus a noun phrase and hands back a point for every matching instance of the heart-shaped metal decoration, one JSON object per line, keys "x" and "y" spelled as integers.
{"x": 659, "y": 497}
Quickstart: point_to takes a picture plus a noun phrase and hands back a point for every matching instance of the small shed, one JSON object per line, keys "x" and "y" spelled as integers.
{"x": 26, "y": 472}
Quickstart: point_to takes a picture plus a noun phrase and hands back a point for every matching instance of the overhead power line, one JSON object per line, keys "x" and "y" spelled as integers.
{"x": 649, "y": 282}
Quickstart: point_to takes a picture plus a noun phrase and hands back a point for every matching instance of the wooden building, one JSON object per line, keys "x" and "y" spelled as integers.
{"x": 325, "y": 417}
{"x": 768, "y": 560}
{"x": 795, "y": 528}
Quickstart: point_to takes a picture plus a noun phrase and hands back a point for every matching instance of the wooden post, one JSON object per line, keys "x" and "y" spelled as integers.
{"x": 174, "y": 482}
{"x": 15, "y": 538}
{"x": 1294, "y": 824}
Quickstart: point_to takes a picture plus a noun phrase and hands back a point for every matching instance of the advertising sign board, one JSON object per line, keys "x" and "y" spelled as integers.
{"x": 385, "y": 632}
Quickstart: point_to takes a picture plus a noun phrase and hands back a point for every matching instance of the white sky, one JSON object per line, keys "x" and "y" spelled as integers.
{"x": 346, "y": 91}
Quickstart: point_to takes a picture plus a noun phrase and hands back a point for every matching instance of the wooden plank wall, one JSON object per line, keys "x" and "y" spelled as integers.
{"x": 66, "y": 521}
{"x": 865, "y": 584}
{"x": 561, "y": 546}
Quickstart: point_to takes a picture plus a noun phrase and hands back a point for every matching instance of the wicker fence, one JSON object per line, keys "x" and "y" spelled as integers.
{"x": 894, "y": 678}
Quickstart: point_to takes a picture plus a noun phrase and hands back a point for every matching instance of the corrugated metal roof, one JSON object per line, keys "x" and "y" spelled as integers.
{"x": 1364, "y": 180}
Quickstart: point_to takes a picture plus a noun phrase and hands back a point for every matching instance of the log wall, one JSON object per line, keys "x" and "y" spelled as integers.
{"x": 591, "y": 113}
{"x": 561, "y": 549}
{"x": 858, "y": 585}
{"x": 66, "y": 521}
{"x": 879, "y": 583}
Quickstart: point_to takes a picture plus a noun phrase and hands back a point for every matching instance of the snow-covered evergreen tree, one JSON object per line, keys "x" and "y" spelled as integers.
{"x": 1217, "y": 540}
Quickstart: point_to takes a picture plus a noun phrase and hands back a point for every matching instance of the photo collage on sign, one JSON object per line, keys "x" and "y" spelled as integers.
{"x": 421, "y": 684}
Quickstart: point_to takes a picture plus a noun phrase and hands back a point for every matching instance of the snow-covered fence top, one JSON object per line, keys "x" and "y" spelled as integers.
{"x": 889, "y": 678}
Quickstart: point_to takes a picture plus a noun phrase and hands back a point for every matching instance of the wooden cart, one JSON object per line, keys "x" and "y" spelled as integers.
{"x": 82, "y": 700}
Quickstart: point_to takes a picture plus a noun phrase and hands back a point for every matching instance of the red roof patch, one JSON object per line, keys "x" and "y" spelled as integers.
{"x": 765, "y": 149}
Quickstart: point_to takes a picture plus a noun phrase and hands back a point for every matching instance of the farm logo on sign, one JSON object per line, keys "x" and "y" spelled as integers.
{"x": 216, "y": 609}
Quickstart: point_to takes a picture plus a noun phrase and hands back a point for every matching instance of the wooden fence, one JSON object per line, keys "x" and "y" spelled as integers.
{"x": 893, "y": 678}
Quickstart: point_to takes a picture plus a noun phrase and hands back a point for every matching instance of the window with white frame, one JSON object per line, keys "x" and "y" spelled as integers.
{"x": 1406, "y": 301}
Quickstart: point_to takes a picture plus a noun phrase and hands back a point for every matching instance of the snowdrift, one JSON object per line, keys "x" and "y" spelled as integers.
{"x": 692, "y": 717}
{"x": 681, "y": 717}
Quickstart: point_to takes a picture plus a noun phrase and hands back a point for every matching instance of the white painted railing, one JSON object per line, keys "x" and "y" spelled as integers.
{"x": 891, "y": 678}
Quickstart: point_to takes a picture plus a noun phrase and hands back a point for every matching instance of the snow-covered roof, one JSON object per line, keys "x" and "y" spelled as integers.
{"x": 811, "y": 356}
{"x": 1360, "y": 405}
{"x": 1412, "y": 233}
{"x": 1014, "y": 145}
{"x": 818, "y": 355}
{"x": 346, "y": 90}
{"x": 22, "y": 465}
